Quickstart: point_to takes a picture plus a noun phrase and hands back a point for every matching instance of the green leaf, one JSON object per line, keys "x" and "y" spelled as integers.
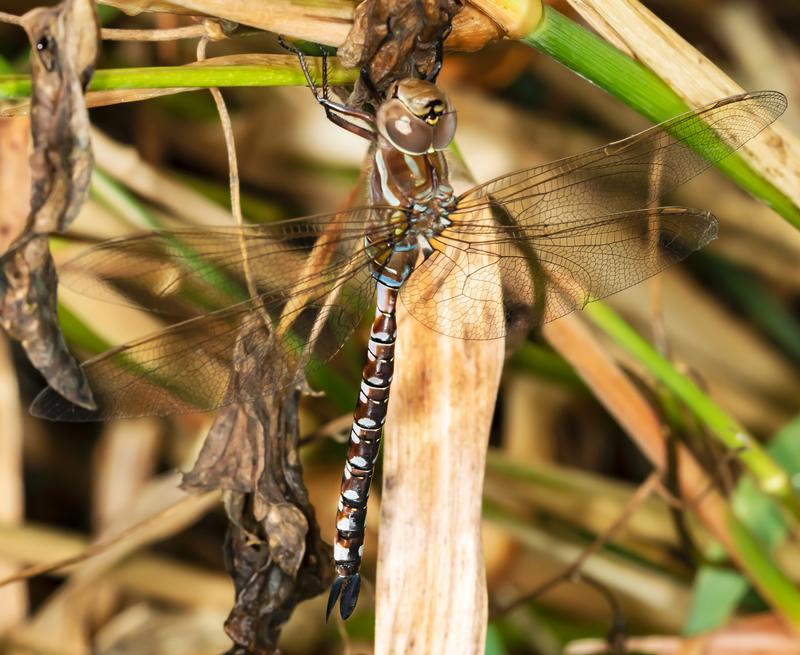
{"x": 757, "y": 510}
{"x": 785, "y": 449}
{"x": 715, "y": 596}
{"x": 759, "y": 513}
{"x": 494, "y": 644}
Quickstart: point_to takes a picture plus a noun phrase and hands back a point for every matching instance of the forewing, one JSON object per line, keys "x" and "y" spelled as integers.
{"x": 626, "y": 174}
{"x": 488, "y": 288}
{"x": 312, "y": 292}
{"x": 192, "y": 271}
{"x": 531, "y": 246}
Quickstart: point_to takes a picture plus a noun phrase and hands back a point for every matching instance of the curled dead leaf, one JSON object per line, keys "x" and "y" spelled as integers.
{"x": 64, "y": 42}
{"x": 28, "y": 313}
{"x": 273, "y": 550}
{"x": 397, "y": 39}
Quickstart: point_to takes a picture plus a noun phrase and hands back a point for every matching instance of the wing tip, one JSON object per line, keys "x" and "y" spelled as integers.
{"x": 52, "y": 406}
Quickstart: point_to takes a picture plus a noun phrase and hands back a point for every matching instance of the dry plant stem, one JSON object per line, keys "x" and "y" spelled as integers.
{"x": 142, "y": 574}
{"x": 124, "y": 164}
{"x": 329, "y": 21}
{"x": 187, "y": 32}
{"x": 13, "y": 600}
{"x": 431, "y": 588}
{"x": 573, "y": 571}
{"x": 12, "y": 19}
{"x": 233, "y": 176}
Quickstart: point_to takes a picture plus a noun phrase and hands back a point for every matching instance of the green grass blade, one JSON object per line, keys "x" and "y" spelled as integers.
{"x": 193, "y": 76}
{"x": 771, "y": 478}
{"x": 638, "y": 87}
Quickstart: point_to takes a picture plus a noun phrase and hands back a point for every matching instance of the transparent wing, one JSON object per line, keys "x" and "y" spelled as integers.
{"x": 314, "y": 286}
{"x": 517, "y": 242}
{"x": 626, "y": 174}
{"x": 192, "y": 271}
{"x": 489, "y": 288}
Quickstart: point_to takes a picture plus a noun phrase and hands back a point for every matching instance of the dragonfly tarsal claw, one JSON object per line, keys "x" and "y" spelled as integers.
{"x": 344, "y": 590}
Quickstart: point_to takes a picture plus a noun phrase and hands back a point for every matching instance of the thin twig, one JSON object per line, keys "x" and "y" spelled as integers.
{"x": 12, "y": 19}
{"x": 571, "y": 572}
{"x": 679, "y": 503}
{"x": 233, "y": 182}
{"x": 617, "y": 634}
{"x": 330, "y": 430}
{"x": 208, "y": 29}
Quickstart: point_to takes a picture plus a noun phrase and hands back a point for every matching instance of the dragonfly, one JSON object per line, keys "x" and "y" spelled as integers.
{"x": 278, "y": 300}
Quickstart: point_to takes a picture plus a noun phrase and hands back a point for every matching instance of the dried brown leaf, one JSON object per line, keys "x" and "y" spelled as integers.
{"x": 231, "y": 455}
{"x": 273, "y": 550}
{"x": 14, "y": 176}
{"x": 396, "y": 39}
{"x": 64, "y": 42}
{"x": 64, "y": 46}
{"x": 28, "y": 313}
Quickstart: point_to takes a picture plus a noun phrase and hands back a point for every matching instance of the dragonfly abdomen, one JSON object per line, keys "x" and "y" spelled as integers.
{"x": 365, "y": 437}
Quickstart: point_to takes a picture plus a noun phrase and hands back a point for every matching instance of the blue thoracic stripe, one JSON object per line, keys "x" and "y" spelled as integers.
{"x": 388, "y": 195}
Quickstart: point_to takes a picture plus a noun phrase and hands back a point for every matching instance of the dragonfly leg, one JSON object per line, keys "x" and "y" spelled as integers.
{"x": 366, "y": 78}
{"x": 335, "y": 111}
{"x": 437, "y": 65}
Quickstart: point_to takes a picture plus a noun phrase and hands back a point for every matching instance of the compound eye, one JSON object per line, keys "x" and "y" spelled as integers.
{"x": 405, "y": 131}
{"x": 444, "y": 130}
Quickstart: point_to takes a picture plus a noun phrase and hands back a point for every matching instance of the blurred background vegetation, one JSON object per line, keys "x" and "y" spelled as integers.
{"x": 563, "y": 470}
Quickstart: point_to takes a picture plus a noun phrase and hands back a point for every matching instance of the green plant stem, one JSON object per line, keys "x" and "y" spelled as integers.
{"x": 763, "y": 573}
{"x": 770, "y": 477}
{"x": 192, "y": 76}
{"x": 640, "y": 88}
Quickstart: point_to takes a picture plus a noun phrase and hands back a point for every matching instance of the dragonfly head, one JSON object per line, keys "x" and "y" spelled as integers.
{"x": 416, "y": 117}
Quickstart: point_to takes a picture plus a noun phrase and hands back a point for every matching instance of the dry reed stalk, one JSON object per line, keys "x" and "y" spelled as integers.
{"x": 757, "y": 633}
{"x": 431, "y": 588}
{"x": 637, "y": 31}
{"x": 142, "y": 574}
{"x": 14, "y": 206}
{"x": 13, "y": 599}
{"x": 159, "y": 511}
{"x": 124, "y": 460}
{"x": 329, "y": 21}
{"x": 124, "y": 164}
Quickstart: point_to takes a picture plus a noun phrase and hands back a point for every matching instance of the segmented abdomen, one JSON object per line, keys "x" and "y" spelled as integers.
{"x": 365, "y": 435}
